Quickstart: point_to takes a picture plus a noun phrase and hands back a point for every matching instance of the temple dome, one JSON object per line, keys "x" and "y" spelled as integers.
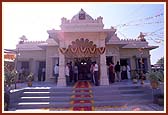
{"x": 81, "y": 15}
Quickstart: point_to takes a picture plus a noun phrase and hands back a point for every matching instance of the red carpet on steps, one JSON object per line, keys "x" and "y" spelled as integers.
{"x": 79, "y": 87}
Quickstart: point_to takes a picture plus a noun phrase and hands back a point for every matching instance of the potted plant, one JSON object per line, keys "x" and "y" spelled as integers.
{"x": 30, "y": 79}
{"x": 142, "y": 77}
{"x": 155, "y": 78}
{"x": 135, "y": 77}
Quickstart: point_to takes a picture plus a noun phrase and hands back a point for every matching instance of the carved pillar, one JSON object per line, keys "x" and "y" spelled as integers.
{"x": 103, "y": 70}
{"x": 48, "y": 69}
{"x": 33, "y": 66}
{"x": 61, "y": 78}
{"x": 149, "y": 63}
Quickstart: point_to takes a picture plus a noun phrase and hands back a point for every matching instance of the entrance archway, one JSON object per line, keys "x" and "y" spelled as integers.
{"x": 82, "y": 48}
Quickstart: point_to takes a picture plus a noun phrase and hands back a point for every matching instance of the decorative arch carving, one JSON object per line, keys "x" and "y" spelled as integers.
{"x": 82, "y": 48}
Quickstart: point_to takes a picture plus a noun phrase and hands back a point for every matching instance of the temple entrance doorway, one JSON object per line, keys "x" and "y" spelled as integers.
{"x": 82, "y": 52}
{"x": 84, "y": 65}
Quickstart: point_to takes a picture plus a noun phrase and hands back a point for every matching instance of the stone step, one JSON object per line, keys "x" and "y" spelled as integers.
{"x": 132, "y": 92}
{"x": 48, "y": 90}
{"x": 110, "y": 90}
{"x": 38, "y": 105}
{"x": 36, "y": 90}
{"x": 82, "y": 98}
{"x": 52, "y": 99}
{"x": 129, "y": 87}
{"x": 36, "y": 94}
{"x": 54, "y": 93}
{"x": 82, "y": 88}
{"x": 117, "y": 88}
{"x": 46, "y": 99}
{"x": 52, "y": 89}
{"x": 106, "y": 92}
{"x": 106, "y": 98}
{"x": 82, "y": 105}
{"x": 67, "y": 89}
{"x": 122, "y": 102}
{"x": 118, "y": 92}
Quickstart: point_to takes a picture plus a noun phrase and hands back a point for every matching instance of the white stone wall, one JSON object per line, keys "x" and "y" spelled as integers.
{"x": 91, "y": 36}
{"x": 51, "y": 52}
{"x": 35, "y": 54}
{"x": 113, "y": 50}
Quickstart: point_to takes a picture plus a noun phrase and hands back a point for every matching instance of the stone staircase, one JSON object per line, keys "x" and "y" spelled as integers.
{"x": 34, "y": 98}
{"x": 75, "y": 98}
{"x": 120, "y": 95}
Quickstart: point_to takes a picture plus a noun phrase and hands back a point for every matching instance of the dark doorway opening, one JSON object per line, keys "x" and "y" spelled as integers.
{"x": 123, "y": 62}
{"x": 41, "y": 72}
{"x": 84, "y": 65}
{"x": 109, "y": 59}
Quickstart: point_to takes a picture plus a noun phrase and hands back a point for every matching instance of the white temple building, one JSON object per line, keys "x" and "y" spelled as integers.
{"x": 82, "y": 40}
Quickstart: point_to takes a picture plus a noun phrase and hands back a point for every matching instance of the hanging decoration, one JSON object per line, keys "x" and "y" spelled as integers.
{"x": 141, "y": 21}
{"x": 74, "y": 50}
{"x": 101, "y": 50}
{"x": 92, "y": 50}
{"x": 10, "y": 56}
{"x": 63, "y": 50}
{"x": 83, "y": 49}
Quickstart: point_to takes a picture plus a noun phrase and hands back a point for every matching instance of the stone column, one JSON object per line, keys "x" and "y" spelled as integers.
{"x": 114, "y": 59}
{"x": 48, "y": 69}
{"x": 61, "y": 78}
{"x": 103, "y": 70}
{"x": 33, "y": 66}
{"x": 149, "y": 63}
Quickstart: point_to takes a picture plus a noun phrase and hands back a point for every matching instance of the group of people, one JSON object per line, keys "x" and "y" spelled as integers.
{"x": 115, "y": 72}
{"x": 118, "y": 72}
{"x": 72, "y": 73}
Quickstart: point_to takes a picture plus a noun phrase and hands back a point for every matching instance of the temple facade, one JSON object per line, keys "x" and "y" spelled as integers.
{"x": 82, "y": 40}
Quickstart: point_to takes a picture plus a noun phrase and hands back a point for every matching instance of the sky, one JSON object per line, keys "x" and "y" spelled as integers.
{"x": 34, "y": 19}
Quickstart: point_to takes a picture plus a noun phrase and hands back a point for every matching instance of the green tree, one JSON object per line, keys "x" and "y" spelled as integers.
{"x": 160, "y": 61}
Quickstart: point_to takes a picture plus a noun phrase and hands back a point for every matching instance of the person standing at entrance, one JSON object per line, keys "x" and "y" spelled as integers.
{"x": 92, "y": 72}
{"x": 39, "y": 74}
{"x": 75, "y": 70}
{"x": 128, "y": 72}
{"x": 111, "y": 72}
{"x": 67, "y": 73}
{"x": 123, "y": 72}
{"x": 43, "y": 73}
{"x": 95, "y": 70}
{"x": 117, "y": 70}
{"x": 70, "y": 72}
{"x": 56, "y": 72}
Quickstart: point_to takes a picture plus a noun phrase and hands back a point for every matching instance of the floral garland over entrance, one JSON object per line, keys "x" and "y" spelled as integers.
{"x": 82, "y": 48}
